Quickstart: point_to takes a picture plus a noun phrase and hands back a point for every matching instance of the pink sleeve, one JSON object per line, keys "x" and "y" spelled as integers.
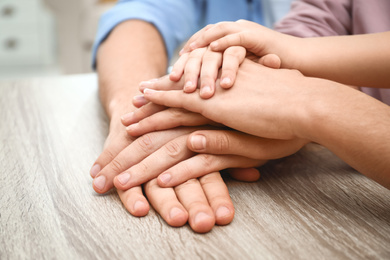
{"x": 314, "y": 18}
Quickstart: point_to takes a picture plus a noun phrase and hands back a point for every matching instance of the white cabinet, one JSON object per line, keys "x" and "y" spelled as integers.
{"x": 26, "y": 33}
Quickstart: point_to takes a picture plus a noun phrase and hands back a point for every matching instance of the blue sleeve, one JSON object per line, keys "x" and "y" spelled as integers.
{"x": 175, "y": 20}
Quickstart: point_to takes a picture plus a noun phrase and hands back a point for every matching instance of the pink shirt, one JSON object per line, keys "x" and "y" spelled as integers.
{"x": 313, "y": 18}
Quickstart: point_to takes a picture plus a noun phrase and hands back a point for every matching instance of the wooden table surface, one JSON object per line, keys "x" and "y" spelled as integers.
{"x": 308, "y": 206}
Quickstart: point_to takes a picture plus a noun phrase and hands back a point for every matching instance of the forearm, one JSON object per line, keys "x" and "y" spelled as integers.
{"x": 360, "y": 60}
{"x": 134, "y": 51}
{"x": 354, "y": 126}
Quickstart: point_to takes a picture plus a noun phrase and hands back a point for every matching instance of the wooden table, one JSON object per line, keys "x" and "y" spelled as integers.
{"x": 308, "y": 206}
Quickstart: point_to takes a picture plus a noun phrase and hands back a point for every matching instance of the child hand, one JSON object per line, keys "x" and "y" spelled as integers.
{"x": 205, "y": 64}
{"x": 254, "y": 37}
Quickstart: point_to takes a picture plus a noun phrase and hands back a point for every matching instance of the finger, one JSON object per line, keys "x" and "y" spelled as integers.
{"x": 134, "y": 201}
{"x": 112, "y": 147}
{"x": 149, "y": 168}
{"x": 271, "y": 60}
{"x": 201, "y": 217}
{"x": 215, "y": 32}
{"x": 210, "y": 66}
{"x": 129, "y": 156}
{"x": 235, "y": 142}
{"x": 192, "y": 70}
{"x": 244, "y": 174}
{"x": 167, "y": 119}
{"x": 232, "y": 59}
{"x": 200, "y": 165}
{"x": 163, "y": 83}
{"x": 141, "y": 113}
{"x": 192, "y": 102}
{"x": 165, "y": 202}
{"x": 178, "y": 68}
{"x": 186, "y": 48}
{"x": 139, "y": 101}
{"x": 218, "y": 197}
{"x": 236, "y": 39}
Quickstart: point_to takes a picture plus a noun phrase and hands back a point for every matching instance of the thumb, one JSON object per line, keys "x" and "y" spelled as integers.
{"x": 271, "y": 60}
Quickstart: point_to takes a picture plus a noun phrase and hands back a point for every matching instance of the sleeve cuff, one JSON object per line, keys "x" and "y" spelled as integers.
{"x": 173, "y": 31}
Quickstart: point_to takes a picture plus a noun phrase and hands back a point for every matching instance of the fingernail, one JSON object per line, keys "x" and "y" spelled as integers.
{"x": 100, "y": 182}
{"x": 139, "y": 98}
{"x": 188, "y": 85}
{"x": 148, "y": 91}
{"x": 226, "y": 81}
{"x": 146, "y": 83}
{"x": 205, "y": 89}
{"x": 173, "y": 73}
{"x": 165, "y": 178}
{"x": 132, "y": 127}
{"x": 175, "y": 212}
{"x": 139, "y": 205}
{"x": 201, "y": 217}
{"x": 123, "y": 178}
{"x": 127, "y": 117}
{"x": 222, "y": 212}
{"x": 95, "y": 170}
{"x": 193, "y": 45}
{"x": 198, "y": 142}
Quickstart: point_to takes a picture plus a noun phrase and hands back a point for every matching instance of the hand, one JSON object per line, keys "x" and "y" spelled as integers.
{"x": 219, "y": 142}
{"x": 254, "y": 37}
{"x": 204, "y": 64}
{"x": 202, "y": 202}
{"x": 263, "y": 102}
{"x": 175, "y": 154}
{"x": 227, "y": 142}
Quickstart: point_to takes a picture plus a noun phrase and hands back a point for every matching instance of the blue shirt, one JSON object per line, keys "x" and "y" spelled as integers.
{"x": 177, "y": 20}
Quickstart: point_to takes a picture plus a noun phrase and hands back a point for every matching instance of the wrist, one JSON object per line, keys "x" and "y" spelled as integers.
{"x": 321, "y": 109}
{"x": 294, "y": 56}
{"x": 312, "y": 110}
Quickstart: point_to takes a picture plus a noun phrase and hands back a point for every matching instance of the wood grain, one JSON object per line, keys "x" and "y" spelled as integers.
{"x": 308, "y": 206}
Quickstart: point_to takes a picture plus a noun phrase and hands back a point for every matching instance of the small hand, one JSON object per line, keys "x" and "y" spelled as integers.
{"x": 254, "y": 37}
{"x": 204, "y": 64}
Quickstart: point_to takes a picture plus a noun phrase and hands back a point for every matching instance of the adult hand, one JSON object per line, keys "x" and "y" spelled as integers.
{"x": 202, "y": 202}
{"x": 232, "y": 144}
{"x": 263, "y": 102}
{"x": 175, "y": 154}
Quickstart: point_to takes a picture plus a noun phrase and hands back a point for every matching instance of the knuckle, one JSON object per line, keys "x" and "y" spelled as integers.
{"x": 176, "y": 113}
{"x": 142, "y": 168}
{"x": 222, "y": 26}
{"x": 210, "y": 179}
{"x": 185, "y": 185}
{"x": 173, "y": 149}
{"x": 145, "y": 142}
{"x": 207, "y": 160}
{"x": 235, "y": 52}
{"x": 116, "y": 165}
{"x": 207, "y": 77}
{"x": 197, "y": 53}
{"x": 242, "y": 38}
{"x": 222, "y": 142}
{"x": 109, "y": 154}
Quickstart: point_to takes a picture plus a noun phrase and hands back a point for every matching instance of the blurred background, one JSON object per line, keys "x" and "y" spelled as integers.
{"x": 47, "y": 37}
